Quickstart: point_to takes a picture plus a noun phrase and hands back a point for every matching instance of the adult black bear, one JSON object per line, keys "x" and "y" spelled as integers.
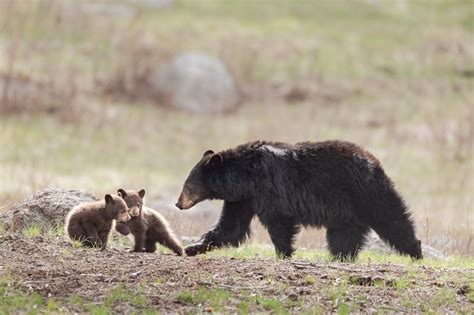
{"x": 334, "y": 184}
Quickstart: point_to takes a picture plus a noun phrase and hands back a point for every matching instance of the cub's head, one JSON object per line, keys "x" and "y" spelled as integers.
{"x": 134, "y": 200}
{"x": 117, "y": 208}
{"x": 197, "y": 186}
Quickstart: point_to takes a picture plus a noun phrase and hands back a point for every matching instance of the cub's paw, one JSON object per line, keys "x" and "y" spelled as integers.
{"x": 193, "y": 250}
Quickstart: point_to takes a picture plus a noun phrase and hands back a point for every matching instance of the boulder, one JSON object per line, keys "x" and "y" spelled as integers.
{"x": 197, "y": 83}
{"x": 45, "y": 208}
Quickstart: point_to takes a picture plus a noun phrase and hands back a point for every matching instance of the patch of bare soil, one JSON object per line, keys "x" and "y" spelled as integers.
{"x": 52, "y": 268}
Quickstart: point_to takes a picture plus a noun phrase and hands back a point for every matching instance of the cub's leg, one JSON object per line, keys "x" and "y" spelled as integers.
{"x": 150, "y": 245}
{"x": 344, "y": 242}
{"x": 166, "y": 238}
{"x": 122, "y": 228}
{"x": 92, "y": 237}
{"x": 139, "y": 235}
{"x": 232, "y": 229}
{"x": 104, "y": 237}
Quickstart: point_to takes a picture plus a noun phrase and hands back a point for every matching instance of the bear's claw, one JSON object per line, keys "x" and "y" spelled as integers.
{"x": 193, "y": 250}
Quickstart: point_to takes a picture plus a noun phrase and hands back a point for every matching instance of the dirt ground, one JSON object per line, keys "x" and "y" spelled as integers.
{"x": 88, "y": 280}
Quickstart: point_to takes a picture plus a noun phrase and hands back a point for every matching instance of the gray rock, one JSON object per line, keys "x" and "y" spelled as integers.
{"x": 45, "y": 208}
{"x": 197, "y": 83}
{"x": 374, "y": 243}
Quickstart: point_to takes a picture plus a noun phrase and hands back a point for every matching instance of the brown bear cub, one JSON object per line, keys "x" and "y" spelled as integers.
{"x": 90, "y": 223}
{"x": 147, "y": 225}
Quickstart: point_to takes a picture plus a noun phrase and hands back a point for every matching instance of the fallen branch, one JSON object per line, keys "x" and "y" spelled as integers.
{"x": 228, "y": 286}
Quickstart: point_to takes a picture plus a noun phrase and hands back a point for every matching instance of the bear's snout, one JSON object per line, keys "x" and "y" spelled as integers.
{"x": 184, "y": 202}
{"x": 184, "y": 205}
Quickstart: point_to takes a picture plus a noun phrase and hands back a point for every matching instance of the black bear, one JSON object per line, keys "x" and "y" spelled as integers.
{"x": 334, "y": 184}
{"x": 90, "y": 223}
{"x": 147, "y": 225}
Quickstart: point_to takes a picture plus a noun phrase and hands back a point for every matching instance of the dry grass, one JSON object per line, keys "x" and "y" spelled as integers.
{"x": 394, "y": 78}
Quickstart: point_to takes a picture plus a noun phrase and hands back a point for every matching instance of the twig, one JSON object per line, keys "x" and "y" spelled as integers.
{"x": 228, "y": 286}
{"x": 312, "y": 265}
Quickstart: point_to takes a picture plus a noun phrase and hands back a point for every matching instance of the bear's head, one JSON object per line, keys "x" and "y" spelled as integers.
{"x": 198, "y": 185}
{"x": 116, "y": 208}
{"x": 134, "y": 200}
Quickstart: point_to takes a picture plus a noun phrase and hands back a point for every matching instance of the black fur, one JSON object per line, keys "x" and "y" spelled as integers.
{"x": 334, "y": 184}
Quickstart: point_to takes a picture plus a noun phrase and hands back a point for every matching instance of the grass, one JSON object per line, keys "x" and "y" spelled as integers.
{"x": 12, "y": 300}
{"x": 255, "y": 250}
{"x": 271, "y": 293}
{"x": 390, "y": 76}
{"x": 32, "y": 231}
{"x": 212, "y": 299}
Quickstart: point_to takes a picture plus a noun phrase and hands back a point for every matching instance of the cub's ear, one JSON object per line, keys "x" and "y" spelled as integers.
{"x": 208, "y": 152}
{"x": 122, "y": 193}
{"x": 215, "y": 160}
{"x": 141, "y": 193}
{"x": 108, "y": 199}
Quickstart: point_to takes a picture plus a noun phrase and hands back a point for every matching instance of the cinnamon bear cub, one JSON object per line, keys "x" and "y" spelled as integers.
{"x": 147, "y": 225}
{"x": 90, "y": 223}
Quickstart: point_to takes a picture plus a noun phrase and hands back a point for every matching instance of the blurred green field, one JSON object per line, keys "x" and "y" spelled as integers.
{"x": 393, "y": 76}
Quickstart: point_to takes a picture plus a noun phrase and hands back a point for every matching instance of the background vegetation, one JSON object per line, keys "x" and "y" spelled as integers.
{"x": 394, "y": 76}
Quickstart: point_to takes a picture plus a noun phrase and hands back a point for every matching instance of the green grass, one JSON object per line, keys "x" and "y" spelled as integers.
{"x": 12, "y": 300}
{"x": 387, "y": 75}
{"x": 255, "y": 250}
{"x": 32, "y": 231}
{"x": 122, "y": 294}
{"x": 205, "y": 297}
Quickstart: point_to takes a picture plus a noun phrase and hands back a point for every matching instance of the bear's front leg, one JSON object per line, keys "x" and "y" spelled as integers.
{"x": 122, "y": 228}
{"x": 104, "y": 236}
{"x": 92, "y": 239}
{"x": 282, "y": 232}
{"x": 232, "y": 229}
{"x": 139, "y": 236}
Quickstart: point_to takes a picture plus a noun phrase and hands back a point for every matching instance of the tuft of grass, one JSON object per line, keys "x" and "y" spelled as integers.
{"x": 55, "y": 231}
{"x": 52, "y": 305}
{"x": 271, "y": 304}
{"x": 75, "y": 243}
{"x": 158, "y": 281}
{"x": 186, "y": 297}
{"x": 215, "y": 298}
{"x": 13, "y": 300}
{"x": 32, "y": 231}
{"x": 123, "y": 294}
{"x": 444, "y": 297}
{"x": 308, "y": 279}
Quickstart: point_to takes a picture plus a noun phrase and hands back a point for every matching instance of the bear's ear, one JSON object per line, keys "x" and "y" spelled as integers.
{"x": 122, "y": 193}
{"x": 109, "y": 199}
{"x": 141, "y": 193}
{"x": 208, "y": 152}
{"x": 215, "y": 160}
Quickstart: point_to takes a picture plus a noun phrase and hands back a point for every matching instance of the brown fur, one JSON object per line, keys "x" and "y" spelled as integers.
{"x": 148, "y": 227}
{"x": 90, "y": 223}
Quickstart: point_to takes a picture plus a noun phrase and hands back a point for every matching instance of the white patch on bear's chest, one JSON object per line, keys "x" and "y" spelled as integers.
{"x": 274, "y": 150}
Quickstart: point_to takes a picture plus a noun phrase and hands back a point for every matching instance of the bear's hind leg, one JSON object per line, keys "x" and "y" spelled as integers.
{"x": 345, "y": 242}
{"x": 400, "y": 234}
{"x": 167, "y": 238}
